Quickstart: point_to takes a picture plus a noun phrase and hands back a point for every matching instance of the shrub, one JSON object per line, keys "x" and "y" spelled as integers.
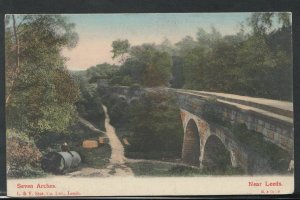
{"x": 156, "y": 127}
{"x": 23, "y": 157}
{"x": 25, "y": 171}
{"x": 135, "y": 86}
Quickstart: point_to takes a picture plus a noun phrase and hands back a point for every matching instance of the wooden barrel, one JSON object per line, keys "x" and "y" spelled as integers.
{"x": 60, "y": 162}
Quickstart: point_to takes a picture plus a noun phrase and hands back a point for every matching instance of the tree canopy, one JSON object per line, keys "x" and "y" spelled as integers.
{"x": 120, "y": 48}
{"x": 145, "y": 65}
{"x": 256, "y": 62}
{"x": 40, "y": 91}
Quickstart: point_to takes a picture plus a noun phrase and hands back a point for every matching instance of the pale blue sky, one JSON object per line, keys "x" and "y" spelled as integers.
{"x": 97, "y": 31}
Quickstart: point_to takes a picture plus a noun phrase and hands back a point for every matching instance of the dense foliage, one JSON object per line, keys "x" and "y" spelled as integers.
{"x": 152, "y": 125}
{"x": 256, "y": 62}
{"x": 100, "y": 72}
{"x": 43, "y": 99}
{"x": 40, "y": 92}
{"x": 89, "y": 103}
{"x": 23, "y": 155}
{"x": 156, "y": 124}
{"x": 145, "y": 65}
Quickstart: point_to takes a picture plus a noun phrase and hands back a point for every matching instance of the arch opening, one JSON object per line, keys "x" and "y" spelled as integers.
{"x": 191, "y": 144}
{"x": 216, "y": 157}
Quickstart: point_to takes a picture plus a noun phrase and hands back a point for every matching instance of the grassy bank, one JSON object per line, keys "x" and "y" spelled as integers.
{"x": 95, "y": 158}
{"x": 171, "y": 170}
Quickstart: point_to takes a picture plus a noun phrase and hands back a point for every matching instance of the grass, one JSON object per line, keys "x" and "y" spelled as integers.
{"x": 131, "y": 152}
{"x": 153, "y": 155}
{"x": 95, "y": 158}
{"x": 26, "y": 172}
{"x": 168, "y": 170}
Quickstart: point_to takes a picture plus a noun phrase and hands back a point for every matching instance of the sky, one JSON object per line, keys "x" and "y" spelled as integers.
{"x": 97, "y": 31}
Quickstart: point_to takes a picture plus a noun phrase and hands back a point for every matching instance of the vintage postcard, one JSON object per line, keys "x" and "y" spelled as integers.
{"x": 149, "y": 104}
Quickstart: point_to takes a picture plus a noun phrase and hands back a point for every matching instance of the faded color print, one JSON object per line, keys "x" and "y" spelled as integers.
{"x": 107, "y": 104}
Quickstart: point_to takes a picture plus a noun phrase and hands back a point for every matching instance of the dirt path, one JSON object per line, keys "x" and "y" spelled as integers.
{"x": 116, "y": 166}
{"x": 117, "y": 159}
{"x": 117, "y": 155}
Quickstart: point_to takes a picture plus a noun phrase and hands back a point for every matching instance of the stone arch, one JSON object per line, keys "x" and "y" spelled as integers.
{"x": 122, "y": 98}
{"x": 133, "y": 101}
{"x": 191, "y": 144}
{"x": 216, "y": 157}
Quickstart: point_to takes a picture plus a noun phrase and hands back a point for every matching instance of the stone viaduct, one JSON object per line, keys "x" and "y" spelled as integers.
{"x": 204, "y": 140}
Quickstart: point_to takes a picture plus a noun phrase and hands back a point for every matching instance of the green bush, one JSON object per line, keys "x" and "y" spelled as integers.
{"x": 135, "y": 86}
{"x": 26, "y": 171}
{"x": 23, "y": 157}
{"x": 156, "y": 127}
{"x": 96, "y": 157}
{"x": 165, "y": 169}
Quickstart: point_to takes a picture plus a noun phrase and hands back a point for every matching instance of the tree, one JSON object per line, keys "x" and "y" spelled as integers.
{"x": 194, "y": 60}
{"x": 89, "y": 103}
{"x": 41, "y": 92}
{"x": 120, "y": 49}
{"x": 208, "y": 40}
{"x": 166, "y": 46}
{"x": 254, "y": 63}
{"x": 263, "y": 58}
{"x": 12, "y": 60}
{"x": 23, "y": 157}
{"x": 156, "y": 65}
{"x": 263, "y": 23}
{"x": 155, "y": 125}
{"x": 177, "y": 80}
{"x": 185, "y": 44}
{"x": 221, "y": 72}
{"x": 145, "y": 65}
{"x": 258, "y": 63}
{"x": 101, "y": 71}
